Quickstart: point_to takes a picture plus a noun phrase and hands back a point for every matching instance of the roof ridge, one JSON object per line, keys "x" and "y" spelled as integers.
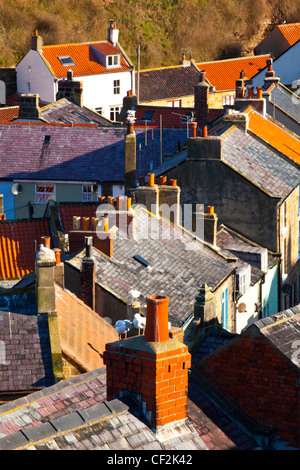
{"x": 235, "y": 58}
{"x": 74, "y": 44}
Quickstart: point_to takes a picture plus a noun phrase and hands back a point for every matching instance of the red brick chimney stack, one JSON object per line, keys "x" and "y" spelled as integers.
{"x": 152, "y": 369}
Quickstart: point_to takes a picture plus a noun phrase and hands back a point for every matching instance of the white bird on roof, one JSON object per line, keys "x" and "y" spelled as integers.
{"x": 45, "y": 249}
{"x": 122, "y": 326}
{"x": 134, "y": 293}
{"x": 139, "y": 322}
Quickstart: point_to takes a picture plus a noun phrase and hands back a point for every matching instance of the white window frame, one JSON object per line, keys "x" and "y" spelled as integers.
{"x": 244, "y": 279}
{"x": 113, "y": 61}
{"x": 113, "y": 112}
{"x": 117, "y": 87}
{"x": 42, "y": 197}
{"x": 66, "y": 64}
{"x": 87, "y": 192}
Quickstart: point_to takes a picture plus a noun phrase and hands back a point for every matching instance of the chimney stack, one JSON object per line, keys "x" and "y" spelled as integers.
{"x": 36, "y": 41}
{"x": 152, "y": 369}
{"x": 206, "y": 224}
{"x": 87, "y": 275}
{"x": 1, "y": 206}
{"x": 270, "y": 73}
{"x": 29, "y": 107}
{"x": 201, "y": 93}
{"x": 130, "y": 153}
{"x": 71, "y": 89}
{"x": 113, "y": 32}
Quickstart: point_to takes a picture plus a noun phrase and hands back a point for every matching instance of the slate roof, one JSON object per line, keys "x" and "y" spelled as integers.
{"x": 178, "y": 265}
{"x": 84, "y": 56}
{"x": 66, "y": 111}
{"x": 222, "y": 74}
{"x": 77, "y": 153}
{"x": 26, "y": 360}
{"x": 74, "y": 415}
{"x": 287, "y": 101}
{"x": 258, "y": 163}
{"x": 167, "y": 82}
{"x": 18, "y": 239}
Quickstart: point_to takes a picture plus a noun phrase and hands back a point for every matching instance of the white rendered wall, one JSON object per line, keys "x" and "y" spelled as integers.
{"x": 40, "y": 78}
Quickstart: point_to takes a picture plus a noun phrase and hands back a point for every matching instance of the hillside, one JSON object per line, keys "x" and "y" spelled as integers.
{"x": 164, "y": 29}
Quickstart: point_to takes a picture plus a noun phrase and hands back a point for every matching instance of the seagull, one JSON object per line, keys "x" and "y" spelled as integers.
{"x": 45, "y": 249}
{"x": 122, "y": 326}
{"x": 134, "y": 293}
{"x": 139, "y": 322}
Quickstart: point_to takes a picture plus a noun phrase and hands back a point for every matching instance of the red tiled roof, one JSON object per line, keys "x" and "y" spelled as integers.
{"x": 17, "y": 246}
{"x": 9, "y": 113}
{"x": 68, "y": 210}
{"x": 85, "y": 59}
{"x": 222, "y": 74}
{"x": 171, "y": 118}
{"x": 290, "y": 31}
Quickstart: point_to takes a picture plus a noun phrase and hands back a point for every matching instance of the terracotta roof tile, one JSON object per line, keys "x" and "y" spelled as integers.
{"x": 274, "y": 135}
{"x": 84, "y": 57}
{"x": 68, "y": 210}
{"x": 8, "y": 113}
{"x": 290, "y": 31}
{"x": 222, "y": 74}
{"x": 17, "y": 246}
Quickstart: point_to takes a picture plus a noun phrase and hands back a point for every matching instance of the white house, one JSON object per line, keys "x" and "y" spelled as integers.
{"x": 103, "y": 68}
{"x": 286, "y": 66}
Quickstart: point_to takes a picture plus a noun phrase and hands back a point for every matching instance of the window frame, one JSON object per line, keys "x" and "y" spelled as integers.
{"x": 117, "y": 87}
{"x": 113, "y": 114}
{"x": 87, "y": 196}
{"x": 115, "y": 60}
{"x": 48, "y": 195}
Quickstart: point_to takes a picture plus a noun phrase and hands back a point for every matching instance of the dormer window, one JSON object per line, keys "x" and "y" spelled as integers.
{"x": 66, "y": 60}
{"x": 113, "y": 60}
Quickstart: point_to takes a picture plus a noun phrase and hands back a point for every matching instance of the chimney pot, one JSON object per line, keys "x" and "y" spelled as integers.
{"x": 194, "y": 128}
{"x": 105, "y": 224}
{"x": 57, "y": 252}
{"x": 162, "y": 180}
{"x": 46, "y": 241}
{"x": 259, "y": 90}
{"x": 250, "y": 92}
{"x": 150, "y": 179}
{"x": 204, "y": 131}
{"x": 210, "y": 210}
{"x": 157, "y": 329}
{"x": 173, "y": 182}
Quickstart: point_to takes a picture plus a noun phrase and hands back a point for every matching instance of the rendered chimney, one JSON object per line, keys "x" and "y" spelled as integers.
{"x": 152, "y": 369}
{"x": 119, "y": 214}
{"x": 29, "y": 107}
{"x": 113, "y": 32}
{"x": 45, "y": 263}
{"x": 36, "y": 41}
{"x": 201, "y": 93}
{"x": 205, "y": 225}
{"x": 87, "y": 275}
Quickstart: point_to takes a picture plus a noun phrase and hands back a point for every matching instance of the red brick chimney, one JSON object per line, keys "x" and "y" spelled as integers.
{"x": 152, "y": 369}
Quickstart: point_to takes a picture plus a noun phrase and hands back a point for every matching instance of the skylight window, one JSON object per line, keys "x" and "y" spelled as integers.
{"x": 141, "y": 260}
{"x": 147, "y": 116}
{"x": 81, "y": 116}
{"x": 66, "y": 60}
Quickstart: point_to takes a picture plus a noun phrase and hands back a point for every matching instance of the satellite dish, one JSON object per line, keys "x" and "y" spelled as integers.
{"x": 242, "y": 307}
{"x": 16, "y": 189}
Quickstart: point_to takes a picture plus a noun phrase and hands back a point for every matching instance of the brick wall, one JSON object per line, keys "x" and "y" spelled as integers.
{"x": 157, "y": 379}
{"x": 260, "y": 381}
{"x": 76, "y": 241}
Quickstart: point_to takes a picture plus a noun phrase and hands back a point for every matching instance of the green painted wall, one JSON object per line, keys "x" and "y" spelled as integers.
{"x": 64, "y": 193}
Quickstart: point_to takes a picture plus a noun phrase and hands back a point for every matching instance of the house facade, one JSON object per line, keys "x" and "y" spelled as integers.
{"x": 103, "y": 68}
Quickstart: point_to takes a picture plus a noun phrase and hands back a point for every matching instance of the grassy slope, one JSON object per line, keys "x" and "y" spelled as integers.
{"x": 209, "y": 29}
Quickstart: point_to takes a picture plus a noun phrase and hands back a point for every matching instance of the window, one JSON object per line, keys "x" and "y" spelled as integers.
{"x": 113, "y": 61}
{"x": 174, "y": 103}
{"x": 81, "y": 116}
{"x": 225, "y": 309}
{"x": 106, "y": 190}
{"x": 28, "y": 87}
{"x": 117, "y": 87}
{"x": 99, "y": 111}
{"x": 87, "y": 192}
{"x": 44, "y": 192}
{"x": 66, "y": 60}
{"x": 243, "y": 280}
{"x": 29, "y": 68}
{"x": 147, "y": 116}
{"x": 114, "y": 112}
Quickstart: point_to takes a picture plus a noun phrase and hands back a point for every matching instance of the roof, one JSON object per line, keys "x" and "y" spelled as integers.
{"x": 67, "y": 210}
{"x": 222, "y": 74}
{"x": 166, "y": 82}
{"x": 286, "y": 100}
{"x": 274, "y": 135}
{"x": 78, "y": 153}
{"x": 290, "y": 31}
{"x": 83, "y": 333}
{"x": 8, "y": 113}
{"x": 18, "y": 240}
{"x": 178, "y": 265}
{"x": 74, "y": 415}
{"x": 67, "y": 111}
{"x": 170, "y": 117}
{"x": 85, "y": 57}
{"x": 26, "y": 359}
{"x": 259, "y": 164}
